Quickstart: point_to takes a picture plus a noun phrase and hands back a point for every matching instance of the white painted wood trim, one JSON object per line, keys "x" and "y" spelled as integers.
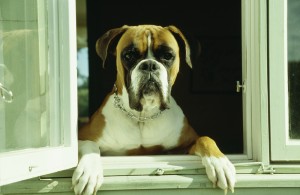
{"x": 282, "y": 148}
{"x": 24, "y": 164}
{"x": 116, "y": 183}
{"x": 255, "y": 69}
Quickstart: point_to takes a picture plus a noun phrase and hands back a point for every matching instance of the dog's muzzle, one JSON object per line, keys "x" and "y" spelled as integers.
{"x": 149, "y": 80}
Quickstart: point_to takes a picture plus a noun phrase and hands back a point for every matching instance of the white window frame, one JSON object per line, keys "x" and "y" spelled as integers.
{"x": 29, "y": 163}
{"x": 255, "y": 75}
{"x": 282, "y": 148}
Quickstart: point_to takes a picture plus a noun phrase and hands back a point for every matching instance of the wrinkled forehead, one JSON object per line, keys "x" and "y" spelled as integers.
{"x": 144, "y": 37}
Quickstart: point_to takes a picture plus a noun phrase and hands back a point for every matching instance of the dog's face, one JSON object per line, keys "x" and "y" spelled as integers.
{"x": 147, "y": 60}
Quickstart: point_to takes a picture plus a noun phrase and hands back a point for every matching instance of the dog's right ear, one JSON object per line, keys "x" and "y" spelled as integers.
{"x": 104, "y": 42}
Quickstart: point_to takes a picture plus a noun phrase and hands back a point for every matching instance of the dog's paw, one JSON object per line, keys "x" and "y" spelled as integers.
{"x": 88, "y": 176}
{"x": 220, "y": 171}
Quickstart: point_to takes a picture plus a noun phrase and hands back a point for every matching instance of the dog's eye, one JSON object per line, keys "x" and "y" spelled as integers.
{"x": 167, "y": 56}
{"x": 165, "y": 53}
{"x": 130, "y": 56}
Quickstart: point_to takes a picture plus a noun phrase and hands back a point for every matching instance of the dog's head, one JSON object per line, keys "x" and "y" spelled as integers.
{"x": 147, "y": 60}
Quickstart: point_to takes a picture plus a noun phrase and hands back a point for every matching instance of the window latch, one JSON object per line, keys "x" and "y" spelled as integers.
{"x": 266, "y": 169}
{"x": 159, "y": 171}
{"x": 240, "y": 87}
{"x": 6, "y": 94}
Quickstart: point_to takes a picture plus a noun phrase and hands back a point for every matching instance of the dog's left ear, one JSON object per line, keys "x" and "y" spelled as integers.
{"x": 181, "y": 39}
{"x": 105, "y": 41}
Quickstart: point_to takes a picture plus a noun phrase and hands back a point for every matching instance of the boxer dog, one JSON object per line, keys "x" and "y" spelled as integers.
{"x": 139, "y": 116}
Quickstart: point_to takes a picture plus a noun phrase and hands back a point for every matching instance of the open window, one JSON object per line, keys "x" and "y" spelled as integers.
{"x": 226, "y": 95}
{"x": 245, "y": 41}
{"x": 38, "y": 104}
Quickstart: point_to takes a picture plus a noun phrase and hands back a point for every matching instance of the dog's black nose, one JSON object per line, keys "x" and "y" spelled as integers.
{"x": 149, "y": 66}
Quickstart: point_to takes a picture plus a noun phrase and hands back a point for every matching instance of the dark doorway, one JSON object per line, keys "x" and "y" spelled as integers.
{"x": 207, "y": 92}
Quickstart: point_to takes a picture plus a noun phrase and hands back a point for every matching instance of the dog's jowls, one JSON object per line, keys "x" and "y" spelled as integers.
{"x": 140, "y": 116}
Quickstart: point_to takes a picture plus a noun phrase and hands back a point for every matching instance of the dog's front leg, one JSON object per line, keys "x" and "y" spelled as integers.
{"x": 88, "y": 176}
{"x": 218, "y": 168}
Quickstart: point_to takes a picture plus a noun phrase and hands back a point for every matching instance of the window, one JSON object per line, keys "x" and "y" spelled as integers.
{"x": 285, "y": 80}
{"x": 37, "y": 96}
{"x": 270, "y": 83}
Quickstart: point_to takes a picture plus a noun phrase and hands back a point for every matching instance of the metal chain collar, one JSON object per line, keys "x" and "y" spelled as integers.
{"x": 119, "y": 105}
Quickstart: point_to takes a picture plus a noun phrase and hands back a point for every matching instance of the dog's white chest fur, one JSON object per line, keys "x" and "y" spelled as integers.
{"x": 122, "y": 133}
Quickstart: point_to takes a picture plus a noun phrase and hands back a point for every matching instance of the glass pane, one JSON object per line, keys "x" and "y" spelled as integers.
{"x": 294, "y": 67}
{"x": 26, "y": 121}
{"x": 82, "y": 64}
{"x": 83, "y": 86}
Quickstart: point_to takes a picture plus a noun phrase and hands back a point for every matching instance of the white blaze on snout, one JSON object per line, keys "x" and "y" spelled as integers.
{"x": 137, "y": 75}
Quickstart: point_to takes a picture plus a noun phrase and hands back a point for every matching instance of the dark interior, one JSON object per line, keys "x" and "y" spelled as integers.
{"x": 207, "y": 92}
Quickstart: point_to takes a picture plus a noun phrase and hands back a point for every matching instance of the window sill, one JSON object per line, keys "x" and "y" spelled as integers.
{"x": 179, "y": 172}
{"x": 164, "y": 182}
